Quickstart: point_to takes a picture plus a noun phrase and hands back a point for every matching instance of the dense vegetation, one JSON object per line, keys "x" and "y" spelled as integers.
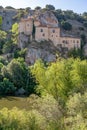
{"x": 56, "y": 92}
{"x": 60, "y": 101}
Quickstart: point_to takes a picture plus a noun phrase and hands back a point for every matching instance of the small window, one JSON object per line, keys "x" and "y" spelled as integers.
{"x": 27, "y": 24}
{"x": 53, "y": 31}
{"x": 77, "y": 41}
{"x": 41, "y": 30}
{"x": 43, "y": 35}
{"x": 63, "y": 41}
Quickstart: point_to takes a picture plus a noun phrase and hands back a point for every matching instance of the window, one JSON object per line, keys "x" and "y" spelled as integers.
{"x": 43, "y": 35}
{"x": 53, "y": 31}
{"x": 27, "y": 24}
{"x": 41, "y": 30}
{"x": 77, "y": 41}
{"x": 63, "y": 41}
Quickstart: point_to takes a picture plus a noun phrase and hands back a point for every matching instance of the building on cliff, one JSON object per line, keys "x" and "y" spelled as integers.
{"x": 46, "y": 28}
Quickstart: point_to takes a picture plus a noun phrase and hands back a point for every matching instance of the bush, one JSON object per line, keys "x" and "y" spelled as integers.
{"x": 85, "y": 24}
{"x": 6, "y": 87}
{"x": 9, "y": 7}
{"x": 66, "y": 26}
{"x": 21, "y": 120}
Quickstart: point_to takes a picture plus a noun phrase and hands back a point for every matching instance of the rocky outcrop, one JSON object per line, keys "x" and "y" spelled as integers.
{"x": 47, "y": 19}
{"x": 35, "y": 54}
{"x": 45, "y": 51}
{"x": 7, "y": 18}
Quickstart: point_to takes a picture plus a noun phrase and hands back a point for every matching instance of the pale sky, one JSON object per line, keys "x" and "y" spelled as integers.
{"x": 78, "y": 6}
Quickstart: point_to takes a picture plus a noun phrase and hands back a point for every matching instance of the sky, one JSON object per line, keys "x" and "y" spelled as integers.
{"x": 78, "y": 6}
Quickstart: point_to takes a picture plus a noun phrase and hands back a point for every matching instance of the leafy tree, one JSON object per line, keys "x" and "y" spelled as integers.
{"x": 3, "y": 35}
{"x": 55, "y": 79}
{"x": 50, "y": 7}
{"x": 15, "y": 32}
{"x": 76, "y": 112}
{"x": 83, "y": 40}
{"x": 66, "y": 26}
{"x": 9, "y": 47}
{"x": 85, "y": 24}
{"x": 27, "y": 9}
{"x": 19, "y": 74}
{"x": 1, "y": 7}
{"x": 6, "y": 87}
{"x": 84, "y": 15}
{"x": 75, "y": 53}
{"x": 9, "y": 7}
{"x": 0, "y": 21}
{"x": 37, "y": 8}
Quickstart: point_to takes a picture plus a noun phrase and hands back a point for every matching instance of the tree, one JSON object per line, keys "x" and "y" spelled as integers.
{"x": 66, "y": 26}
{"x": 37, "y": 8}
{"x": 85, "y": 24}
{"x": 15, "y": 32}
{"x": 19, "y": 74}
{"x": 27, "y": 9}
{"x": 6, "y": 87}
{"x": 9, "y": 7}
{"x": 50, "y": 7}
{"x": 76, "y": 107}
{"x": 9, "y": 47}
{"x": 0, "y": 21}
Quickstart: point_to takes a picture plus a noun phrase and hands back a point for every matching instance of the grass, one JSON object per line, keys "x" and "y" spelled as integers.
{"x": 20, "y": 102}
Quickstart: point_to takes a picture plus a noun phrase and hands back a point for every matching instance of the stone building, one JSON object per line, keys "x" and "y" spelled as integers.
{"x": 47, "y": 28}
{"x": 25, "y": 31}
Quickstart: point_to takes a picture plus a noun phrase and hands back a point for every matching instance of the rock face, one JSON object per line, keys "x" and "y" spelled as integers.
{"x": 7, "y": 18}
{"x": 24, "y": 40}
{"x": 47, "y": 19}
{"x": 35, "y": 54}
{"x": 40, "y": 51}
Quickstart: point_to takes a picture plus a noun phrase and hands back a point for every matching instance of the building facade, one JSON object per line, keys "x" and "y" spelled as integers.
{"x": 46, "y": 28}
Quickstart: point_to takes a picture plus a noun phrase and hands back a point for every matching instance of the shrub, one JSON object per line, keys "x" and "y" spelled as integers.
{"x": 85, "y": 24}
{"x": 6, "y": 87}
{"x": 66, "y": 26}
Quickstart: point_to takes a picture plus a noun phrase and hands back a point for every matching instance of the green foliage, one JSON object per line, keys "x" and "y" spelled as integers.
{"x": 21, "y": 120}
{"x": 50, "y": 7}
{"x": 0, "y": 20}
{"x": 9, "y": 47}
{"x": 76, "y": 112}
{"x": 3, "y": 60}
{"x": 85, "y": 24}
{"x": 83, "y": 40}
{"x": 75, "y": 53}
{"x": 20, "y": 75}
{"x": 20, "y": 53}
{"x": 66, "y": 26}
{"x": 6, "y": 87}
{"x": 3, "y": 35}
{"x": 9, "y": 7}
{"x": 15, "y": 32}
{"x": 61, "y": 78}
{"x": 37, "y": 8}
